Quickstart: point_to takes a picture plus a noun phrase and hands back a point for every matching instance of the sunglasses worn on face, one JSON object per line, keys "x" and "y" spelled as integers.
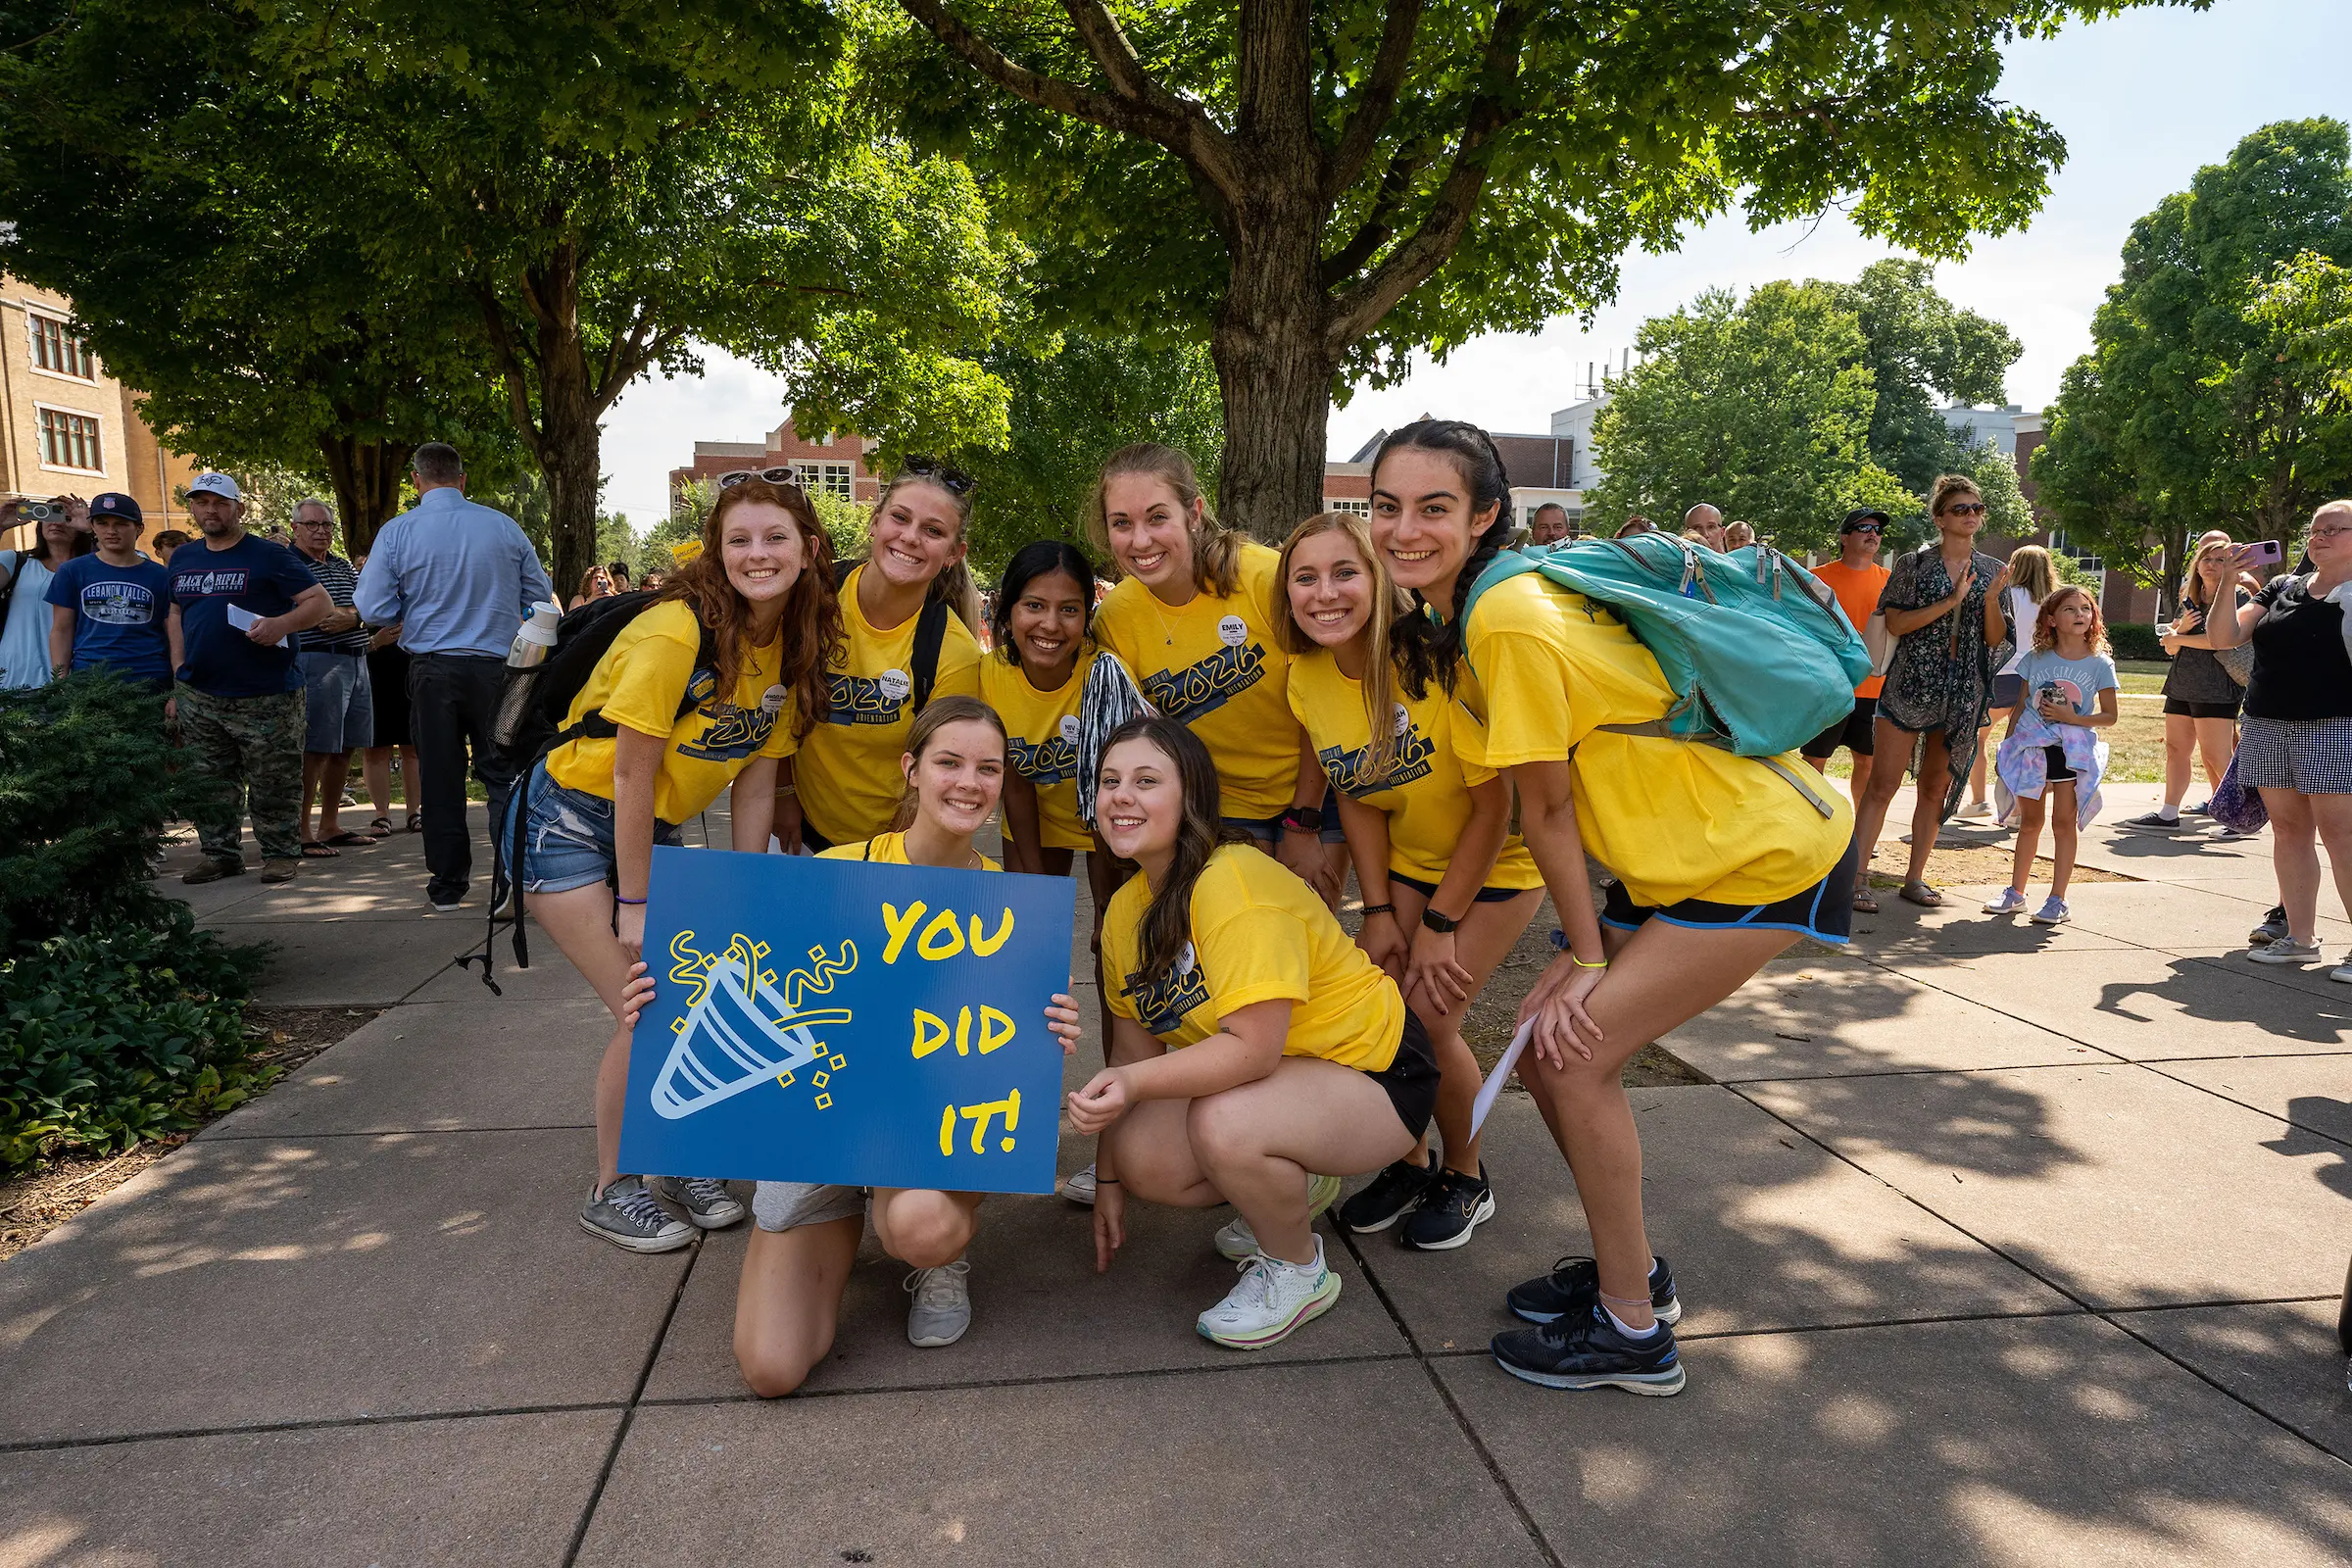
{"x": 1864, "y": 528}
{"x": 1965, "y": 508}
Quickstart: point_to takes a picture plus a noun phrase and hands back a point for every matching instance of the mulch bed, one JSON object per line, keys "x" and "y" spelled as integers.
{"x": 33, "y": 1204}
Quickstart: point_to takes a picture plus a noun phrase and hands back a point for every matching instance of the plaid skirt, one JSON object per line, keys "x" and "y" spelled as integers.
{"x": 2309, "y": 756}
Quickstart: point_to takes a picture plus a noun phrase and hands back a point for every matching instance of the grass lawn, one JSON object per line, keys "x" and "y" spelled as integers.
{"x": 2135, "y": 743}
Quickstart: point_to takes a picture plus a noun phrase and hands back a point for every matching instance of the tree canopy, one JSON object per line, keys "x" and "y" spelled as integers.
{"x": 1320, "y": 193}
{"x": 1923, "y": 353}
{"x": 2211, "y": 396}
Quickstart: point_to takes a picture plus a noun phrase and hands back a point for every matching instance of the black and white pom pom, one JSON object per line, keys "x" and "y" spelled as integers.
{"x": 1110, "y": 698}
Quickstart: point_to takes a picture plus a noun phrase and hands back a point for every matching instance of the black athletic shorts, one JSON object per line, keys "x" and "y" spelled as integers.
{"x": 1411, "y": 1080}
{"x": 1824, "y": 912}
{"x": 1429, "y": 890}
{"x": 2189, "y": 710}
{"x": 1853, "y": 731}
{"x": 2056, "y": 770}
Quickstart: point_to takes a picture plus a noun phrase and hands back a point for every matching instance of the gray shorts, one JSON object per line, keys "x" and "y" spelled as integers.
{"x": 341, "y": 714}
{"x": 788, "y": 1205}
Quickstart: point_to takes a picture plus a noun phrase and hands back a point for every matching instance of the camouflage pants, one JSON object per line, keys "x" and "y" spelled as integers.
{"x": 244, "y": 753}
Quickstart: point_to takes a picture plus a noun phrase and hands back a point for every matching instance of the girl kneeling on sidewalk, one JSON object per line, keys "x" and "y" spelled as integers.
{"x": 1297, "y": 1053}
{"x": 656, "y": 737}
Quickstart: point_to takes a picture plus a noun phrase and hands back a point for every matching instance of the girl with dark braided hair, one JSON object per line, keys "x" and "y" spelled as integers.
{"x": 1720, "y": 865}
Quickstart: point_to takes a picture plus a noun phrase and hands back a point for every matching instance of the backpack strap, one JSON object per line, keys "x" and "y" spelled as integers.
{"x": 930, "y": 636}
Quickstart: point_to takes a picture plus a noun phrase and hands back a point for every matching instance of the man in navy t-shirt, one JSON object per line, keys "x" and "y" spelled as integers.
{"x": 236, "y": 601}
{"x": 113, "y": 609}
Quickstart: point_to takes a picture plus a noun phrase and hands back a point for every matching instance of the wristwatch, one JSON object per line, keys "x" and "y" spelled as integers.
{"x": 1437, "y": 923}
{"x": 1304, "y": 819}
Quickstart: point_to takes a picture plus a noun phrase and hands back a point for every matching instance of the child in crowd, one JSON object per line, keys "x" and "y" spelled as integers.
{"x": 2052, "y": 759}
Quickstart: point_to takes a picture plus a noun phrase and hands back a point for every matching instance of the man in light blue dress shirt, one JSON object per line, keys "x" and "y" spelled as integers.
{"x": 458, "y": 578}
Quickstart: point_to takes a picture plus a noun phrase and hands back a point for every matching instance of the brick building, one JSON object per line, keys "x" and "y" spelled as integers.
{"x": 1538, "y": 467}
{"x": 836, "y": 467}
{"x": 66, "y": 428}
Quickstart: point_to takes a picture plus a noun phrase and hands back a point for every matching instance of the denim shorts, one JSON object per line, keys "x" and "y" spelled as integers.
{"x": 568, "y": 836}
{"x": 342, "y": 717}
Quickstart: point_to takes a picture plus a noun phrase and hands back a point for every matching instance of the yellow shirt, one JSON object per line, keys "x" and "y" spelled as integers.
{"x": 889, "y": 849}
{"x": 1043, "y": 732}
{"x": 1674, "y": 820}
{"x": 847, "y": 773}
{"x": 641, "y": 681}
{"x": 1426, "y": 792}
{"x": 1259, "y": 934}
{"x": 1217, "y": 667}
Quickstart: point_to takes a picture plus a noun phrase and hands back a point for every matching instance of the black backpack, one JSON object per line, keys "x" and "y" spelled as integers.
{"x": 532, "y": 709}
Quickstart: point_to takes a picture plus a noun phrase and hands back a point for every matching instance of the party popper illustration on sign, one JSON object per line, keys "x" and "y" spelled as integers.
{"x": 830, "y": 1020}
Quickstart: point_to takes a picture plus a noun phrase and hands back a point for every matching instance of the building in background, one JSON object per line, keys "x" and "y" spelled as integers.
{"x": 835, "y": 467}
{"x": 68, "y": 428}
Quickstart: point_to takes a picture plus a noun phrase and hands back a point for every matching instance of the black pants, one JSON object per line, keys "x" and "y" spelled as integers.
{"x": 452, "y": 698}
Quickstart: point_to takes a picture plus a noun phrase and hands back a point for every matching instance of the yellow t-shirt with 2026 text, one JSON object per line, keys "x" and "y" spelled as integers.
{"x": 1042, "y": 742}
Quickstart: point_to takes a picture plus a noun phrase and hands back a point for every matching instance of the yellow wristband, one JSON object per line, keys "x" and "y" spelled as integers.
{"x": 1582, "y": 964}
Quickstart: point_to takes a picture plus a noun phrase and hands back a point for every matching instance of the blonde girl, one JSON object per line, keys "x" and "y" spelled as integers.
{"x": 2050, "y": 761}
{"x": 1197, "y": 620}
{"x": 1448, "y": 887}
{"x": 2201, "y": 698}
{"x": 845, "y": 784}
{"x": 2032, "y": 576}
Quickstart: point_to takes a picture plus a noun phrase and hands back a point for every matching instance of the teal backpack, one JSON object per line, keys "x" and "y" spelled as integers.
{"x": 1760, "y": 658}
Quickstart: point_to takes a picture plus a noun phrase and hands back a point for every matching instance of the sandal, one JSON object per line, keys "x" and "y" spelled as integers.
{"x": 1864, "y": 904}
{"x": 415, "y": 821}
{"x": 348, "y": 840}
{"x": 312, "y": 850}
{"x": 1918, "y": 893}
{"x": 380, "y": 828}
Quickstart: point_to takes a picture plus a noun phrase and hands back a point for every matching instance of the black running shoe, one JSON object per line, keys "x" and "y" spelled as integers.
{"x": 1592, "y": 1352}
{"x": 2274, "y": 926}
{"x": 1390, "y": 1196}
{"x": 1451, "y": 1208}
{"x": 1572, "y": 1287}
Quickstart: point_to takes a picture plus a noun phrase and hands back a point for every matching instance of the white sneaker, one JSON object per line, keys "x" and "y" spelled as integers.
{"x": 1079, "y": 1187}
{"x": 943, "y": 1305}
{"x": 2053, "y": 911}
{"x": 1272, "y": 1300}
{"x": 1976, "y": 809}
{"x": 2342, "y": 972}
{"x": 2286, "y": 950}
{"x": 2010, "y": 901}
{"x": 1238, "y": 1243}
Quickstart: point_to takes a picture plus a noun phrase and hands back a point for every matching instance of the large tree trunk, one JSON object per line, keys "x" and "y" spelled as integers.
{"x": 1273, "y": 369}
{"x": 562, "y": 433}
{"x": 367, "y": 476}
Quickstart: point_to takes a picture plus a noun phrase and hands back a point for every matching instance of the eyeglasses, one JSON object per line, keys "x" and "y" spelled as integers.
{"x": 1965, "y": 508}
{"x": 2329, "y": 533}
{"x": 944, "y": 474}
{"x": 728, "y": 481}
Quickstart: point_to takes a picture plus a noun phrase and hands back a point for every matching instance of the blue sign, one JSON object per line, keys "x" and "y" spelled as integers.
{"x": 844, "y": 1021}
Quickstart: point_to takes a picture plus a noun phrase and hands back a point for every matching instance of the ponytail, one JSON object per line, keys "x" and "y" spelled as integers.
{"x": 1217, "y": 549}
{"x": 1427, "y": 649}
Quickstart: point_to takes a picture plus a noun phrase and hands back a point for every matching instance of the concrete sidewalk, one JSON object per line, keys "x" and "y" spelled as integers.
{"x": 1998, "y": 1244}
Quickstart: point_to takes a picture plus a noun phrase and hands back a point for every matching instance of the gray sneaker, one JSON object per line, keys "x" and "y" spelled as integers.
{"x": 943, "y": 1305}
{"x": 626, "y": 1216}
{"x": 2286, "y": 950}
{"x": 705, "y": 1198}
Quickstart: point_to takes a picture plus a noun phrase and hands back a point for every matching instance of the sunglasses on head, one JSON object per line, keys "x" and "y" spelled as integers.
{"x": 728, "y": 481}
{"x": 943, "y": 475}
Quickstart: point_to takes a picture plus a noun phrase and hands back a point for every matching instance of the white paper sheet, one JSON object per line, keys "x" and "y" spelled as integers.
{"x": 242, "y": 619}
{"x": 1493, "y": 1087}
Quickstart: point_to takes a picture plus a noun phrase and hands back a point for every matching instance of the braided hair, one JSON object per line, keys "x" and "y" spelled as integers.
{"x": 1425, "y": 649}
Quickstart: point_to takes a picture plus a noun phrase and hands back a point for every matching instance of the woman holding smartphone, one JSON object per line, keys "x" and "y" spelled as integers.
{"x": 2201, "y": 698}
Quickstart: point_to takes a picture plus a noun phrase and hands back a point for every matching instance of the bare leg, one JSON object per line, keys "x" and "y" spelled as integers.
{"x": 2296, "y": 858}
{"x": 582, "y": 922}
{"x": 2332, "y": 813}
{"x": 2217, "y": 744}
{"x": 924, "y": 1227}
{"x": 375, "y": 766}
{"x": 788, "y": 1302}
{"x": 1486, "y": 938}
{"x": 1927, "y": 809}
{"x": 314, "y": 763}
{"x": 1864, "y": 765}
{"x": 1892, "y": 744}
{"x": 2180, "y": 736}
{"x": 1976, "y": 767}
{"x": 1258, "y": 1142}
{"x": 333, "y": 772}
{"x": 2061, "y": 797}
{"x": 2029, "y": 839}
{"x": 1660, "y": 977}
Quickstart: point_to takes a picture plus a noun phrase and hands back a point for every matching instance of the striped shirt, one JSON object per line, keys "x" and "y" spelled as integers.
{"x": 340, "y": 580}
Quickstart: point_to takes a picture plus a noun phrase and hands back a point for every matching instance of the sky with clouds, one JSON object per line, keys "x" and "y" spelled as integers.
{"x": 2142, "y": 100}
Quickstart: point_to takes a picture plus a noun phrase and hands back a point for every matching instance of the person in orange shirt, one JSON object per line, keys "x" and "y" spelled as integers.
{"x": 1857, "y": 579}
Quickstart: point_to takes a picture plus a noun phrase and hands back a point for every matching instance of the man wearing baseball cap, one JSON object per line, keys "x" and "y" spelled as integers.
{"x": 1857, "y": 579}
{"x": 236, "y": 602}
{"x": 113, "y": 609}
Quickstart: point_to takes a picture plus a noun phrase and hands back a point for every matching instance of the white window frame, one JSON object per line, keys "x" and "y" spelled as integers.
{"x": 42, "y": 446}
{"x": 833, "y": 478}
{"x": 1361, "y": 508}
{"x": 34, "y": 316}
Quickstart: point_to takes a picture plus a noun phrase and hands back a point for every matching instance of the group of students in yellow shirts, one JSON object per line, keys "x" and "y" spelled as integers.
{"x": 1313, "y": 709}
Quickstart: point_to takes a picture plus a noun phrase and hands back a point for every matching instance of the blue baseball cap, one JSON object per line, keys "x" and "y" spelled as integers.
{"x": 115, "y": 503}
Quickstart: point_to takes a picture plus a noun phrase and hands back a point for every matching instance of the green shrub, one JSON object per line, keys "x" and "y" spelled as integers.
{"x": 2136, "y": 639}
{"x": 87, "y": 784}
{"x": 109, "y": 1039}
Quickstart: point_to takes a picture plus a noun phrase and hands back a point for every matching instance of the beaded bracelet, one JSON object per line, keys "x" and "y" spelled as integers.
{"x": 1371, "y": 910}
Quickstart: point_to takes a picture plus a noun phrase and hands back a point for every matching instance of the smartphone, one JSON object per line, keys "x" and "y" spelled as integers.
{"x": 2269, "y": 553}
